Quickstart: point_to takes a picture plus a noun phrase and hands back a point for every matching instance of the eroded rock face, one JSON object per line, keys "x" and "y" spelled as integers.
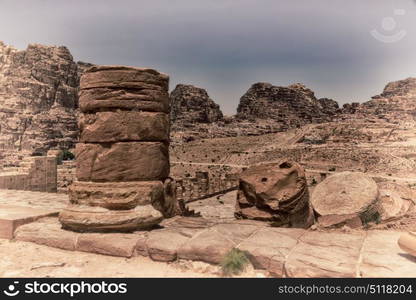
{"x": 38, "y": 99}
{"x": 397, "y": 102}
{"x": 294, "y": 105}
{"x": 275, "y": 192}
{"x": 345, "y": 198}
{"x": 192, "y": 104}
{"x": 123, "y": 157}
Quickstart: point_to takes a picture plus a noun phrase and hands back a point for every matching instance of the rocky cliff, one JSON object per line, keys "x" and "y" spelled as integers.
{"x": 291, "y": 106}
{"x": 396, "y": 103}
{"x": 38, "y": 100}
{"x": 191, "y": 104}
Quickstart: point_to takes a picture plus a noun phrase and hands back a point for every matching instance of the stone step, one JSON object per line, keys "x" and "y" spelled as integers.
{"x": 12, "y": 216}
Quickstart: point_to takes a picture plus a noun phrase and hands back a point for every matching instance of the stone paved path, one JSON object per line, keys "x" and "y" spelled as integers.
{"x": 33, "y": 199}
{"x": 282, "y": 252}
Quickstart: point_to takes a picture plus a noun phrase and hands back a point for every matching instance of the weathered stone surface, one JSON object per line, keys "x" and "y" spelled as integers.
{"x": 382, "y": 256}
{"x": 291, "y": 106}
{"x": 97, "y": 219}
{"x": 397, "y": 102}
{"x": 191, "y": 104}
{"x": 47, "y": 233}
{"x": 407, "y": 242}
{"x": 123, "y": 77}
{"x": 141, "y": 244}
{"x": 323, "y": 254}
{"x": 118, "y": 87}
{"x": 343, "y": 197}
{"x": 128, "y": 161}
{"x": 394, "y": 200}
{"x": 209, "y": 246}
{"x": 169, "y": 206}
{"x": 38, "y": 100}
{"x": 112, "y": 99}
{"x": 268, "y": 248}
{"x": 116, "y": 195}
{"x": 114, "y": 244}
{"x": 121, "y": 126}
{"x": 12, "y": 216}
{"x": 236, "y": 233}
{"x": 162, "y": 245}
{"x": 188, "y": 223}
{"x": 275, "y": 192}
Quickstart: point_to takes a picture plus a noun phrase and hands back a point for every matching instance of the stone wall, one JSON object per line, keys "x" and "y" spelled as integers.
{"x": 36, "y": 173}
{"x": 203, "y": 186}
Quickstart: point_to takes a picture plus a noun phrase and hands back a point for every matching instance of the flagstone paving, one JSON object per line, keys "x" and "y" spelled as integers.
{"x": 282, "y": 252}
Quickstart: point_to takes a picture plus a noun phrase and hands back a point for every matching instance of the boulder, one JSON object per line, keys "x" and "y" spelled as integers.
{"x": 275, "y": 192}
{"x": 125, "y": 161}
{"x": 116, "y": 195}
{"x": 345, "y": 198}
{"x": 38, "y": 100}
{"x": 97, "y": 219}
{"x": 394, "y": 200}
{"x": 120, "y": 126}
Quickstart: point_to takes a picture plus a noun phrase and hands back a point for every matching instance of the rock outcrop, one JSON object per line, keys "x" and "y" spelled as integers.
{"x": 275, "y": 192}
{"x": 190, "y": 104}
{"x": 291, "y": 106}
{"x": 38, "y": 100}
{"x": 396, "y": 103}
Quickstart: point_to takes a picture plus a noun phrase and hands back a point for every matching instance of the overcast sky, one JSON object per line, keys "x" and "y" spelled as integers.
{"x": 225, "y": 46}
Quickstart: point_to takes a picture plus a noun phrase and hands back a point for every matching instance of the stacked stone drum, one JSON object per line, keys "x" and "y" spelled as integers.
{"x": 123, "y": 154}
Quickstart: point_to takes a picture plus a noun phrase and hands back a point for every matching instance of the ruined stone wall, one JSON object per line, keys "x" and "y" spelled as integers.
{"x": 38, "y": 173}
{"x": 38, "y": 100}
{"x": 203, "y": 186}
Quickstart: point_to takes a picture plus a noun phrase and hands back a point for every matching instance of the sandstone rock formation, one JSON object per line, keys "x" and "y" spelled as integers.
{"x": 397, "y": 102}
{"x": 275, "y": 192}
{"x": 290, "y": 106}
{"x": 38, "y": 100}
{"x": 192, "y": 104}
{"x": 345, "y": 198}
{"x": 123, "y": 156}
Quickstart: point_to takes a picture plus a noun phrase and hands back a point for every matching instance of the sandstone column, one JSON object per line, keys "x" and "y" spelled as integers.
{"x": 123, "y": 154}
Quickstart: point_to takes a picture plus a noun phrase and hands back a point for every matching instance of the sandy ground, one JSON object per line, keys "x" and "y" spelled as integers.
{"x": 21, "y": 259}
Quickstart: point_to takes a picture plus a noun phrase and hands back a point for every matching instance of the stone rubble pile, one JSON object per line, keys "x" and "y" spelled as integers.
{"x": 123, "y": 153}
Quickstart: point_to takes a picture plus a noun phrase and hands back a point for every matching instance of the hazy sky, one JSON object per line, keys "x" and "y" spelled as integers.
{"x": 226, "y": 45}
